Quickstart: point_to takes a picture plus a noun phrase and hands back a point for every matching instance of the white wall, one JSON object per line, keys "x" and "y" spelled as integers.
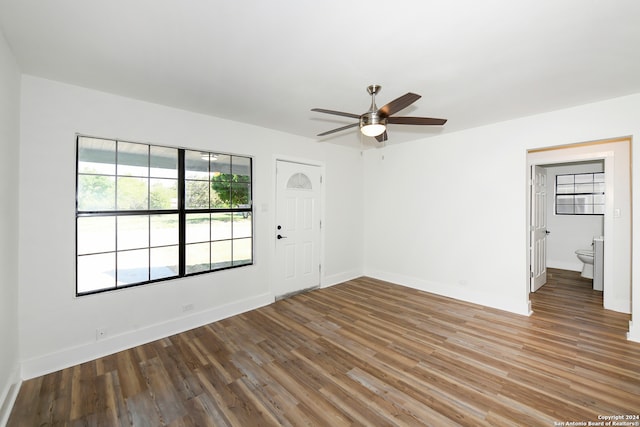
{"x": 569, "y": 232}
{"x": 9, "y": 137}
{"x": 449, "y": 214}
{"x": 56, "y": 328}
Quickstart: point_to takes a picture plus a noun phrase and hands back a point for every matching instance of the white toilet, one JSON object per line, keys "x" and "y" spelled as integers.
{"x": 586, "y": 256}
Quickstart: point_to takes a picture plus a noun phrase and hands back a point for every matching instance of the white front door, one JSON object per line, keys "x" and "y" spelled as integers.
{"x": 297, "y": 229}
{"x": 538, "y": 227}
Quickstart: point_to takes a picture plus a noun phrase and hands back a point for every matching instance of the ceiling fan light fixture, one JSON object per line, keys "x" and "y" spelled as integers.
{"x": 372, "y": 125}
{"x": 373, "y": 130}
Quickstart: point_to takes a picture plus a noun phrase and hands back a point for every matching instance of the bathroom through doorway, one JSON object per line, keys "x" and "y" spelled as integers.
{"x": 613, "y": 158}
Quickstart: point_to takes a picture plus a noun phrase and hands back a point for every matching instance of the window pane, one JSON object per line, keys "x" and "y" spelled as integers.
{"x": 584, "y": 199}
{"x": 96, "y": 234}
{"x": 197, "y": 194}
{"x": 221, "y": 194}
{"x": 96, "y": 193}
{"x": 241, "y": 195}
{"x": 221, "y": 167}
{"x": 163, "y": 162}
{"x": 584, "y": 178}
{"x": 96, "y": 156}
{"x": 598, "y": 199}
{"x": 241, "y": 168}
{"x": 564, "y": 200}
{"x": 164, "y": 262}
{"x": 221, "y": 226}
{"x": 565, "y": 189}
{"x": 599, "y": 187}
{"x": 598, "y": 177}
{"x": 598, "y": 209}
{"x": 221, "y": 254}
{"x": 564, "y": 209}
{"x": 96, "y": 272}
{"x": 133, "y": 266}
{"x": 133, "y": 193}
{"x": 164, "y": 230}
{"x": 242, "y": 225}
{"x": 164, "y": 194}
{"x": 198, "y": 258}
{"x": 584, "y": 188}
{"x": 241, "y": 251}
{"x": 133, "y": 159}
{"x": 133, "y": 232}
{"x": 196, "y": 165}
{"x": 198, "y": 228}
{"x": 564, "y": 179}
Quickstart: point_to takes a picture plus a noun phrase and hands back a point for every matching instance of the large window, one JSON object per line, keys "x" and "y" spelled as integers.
{"x": 146, "y": 213}
{"x": 580, "y": 194}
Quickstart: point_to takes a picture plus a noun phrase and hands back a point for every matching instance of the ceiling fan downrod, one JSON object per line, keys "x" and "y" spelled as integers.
{"x": 373, "y": 91}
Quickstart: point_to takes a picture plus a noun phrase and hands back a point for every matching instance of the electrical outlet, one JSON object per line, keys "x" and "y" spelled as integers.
{"x": 101, "y": 334}
{"x": 187, "y": 307}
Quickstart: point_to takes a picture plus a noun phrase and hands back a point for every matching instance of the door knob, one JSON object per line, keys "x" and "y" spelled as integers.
{"x": 547, "y": 232}
{"x": 281, "y": 237}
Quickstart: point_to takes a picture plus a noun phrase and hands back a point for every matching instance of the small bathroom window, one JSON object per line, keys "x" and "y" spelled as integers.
{"x": 580, "y": 194}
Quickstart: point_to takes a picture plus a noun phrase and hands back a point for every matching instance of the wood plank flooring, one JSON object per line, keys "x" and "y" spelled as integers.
{"x": 366, "y": 353}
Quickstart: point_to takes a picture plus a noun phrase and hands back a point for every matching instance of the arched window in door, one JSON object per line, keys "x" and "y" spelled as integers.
{"x": 299, "y": 181}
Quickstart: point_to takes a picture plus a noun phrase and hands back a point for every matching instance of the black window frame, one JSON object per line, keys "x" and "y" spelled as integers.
{"x": 181, "y": 210}
{"x": 576, "y": 193}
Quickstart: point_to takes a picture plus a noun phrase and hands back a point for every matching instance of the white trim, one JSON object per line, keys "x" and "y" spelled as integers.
{"x": 511, "y": 305}
{"x": 564, "y": 265}
{"x": 83, "y": 353}
{"x": 336, "y": 279}
{"x": 9, "y": 395}
{"x": 634, "y": 332}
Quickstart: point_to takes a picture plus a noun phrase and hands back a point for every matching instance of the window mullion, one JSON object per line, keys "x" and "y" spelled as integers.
{"x": 182, "y": 217}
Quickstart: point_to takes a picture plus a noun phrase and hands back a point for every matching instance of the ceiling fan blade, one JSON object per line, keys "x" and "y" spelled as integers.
{"x": 337, "y": 113}
{"x": 398, "y": 104}
{"x": 352, "y": 125}
{"x": 382, "y": 137}
{"x": 415, "y": 121}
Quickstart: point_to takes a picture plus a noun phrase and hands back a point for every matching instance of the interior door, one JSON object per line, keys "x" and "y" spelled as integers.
{"x": 538, "y": 227}
{"x": 297, "y": 230}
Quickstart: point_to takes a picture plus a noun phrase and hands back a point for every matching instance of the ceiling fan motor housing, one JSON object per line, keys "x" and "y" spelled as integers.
{"x": 372, "y": 118}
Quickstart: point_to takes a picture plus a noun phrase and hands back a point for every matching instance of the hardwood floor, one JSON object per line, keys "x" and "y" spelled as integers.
{"x": 364, "y": 352}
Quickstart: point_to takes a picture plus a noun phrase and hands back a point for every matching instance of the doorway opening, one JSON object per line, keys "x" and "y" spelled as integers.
{"x": 613, "y": 156}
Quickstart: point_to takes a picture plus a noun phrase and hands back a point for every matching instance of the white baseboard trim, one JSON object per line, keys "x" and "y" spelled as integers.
{"x": 634, "y": 332}
{"x": 9, "y": 394}
{"x": 564, "y": 265}
{"x": 467, "y": 294}
{"x": 616, "y": 304}
{"x": 68, "y": 357}
{"x": 335, "y": 279}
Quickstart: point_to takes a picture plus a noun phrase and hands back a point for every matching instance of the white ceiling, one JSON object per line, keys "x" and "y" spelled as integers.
{"x": 268, "y": 63}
